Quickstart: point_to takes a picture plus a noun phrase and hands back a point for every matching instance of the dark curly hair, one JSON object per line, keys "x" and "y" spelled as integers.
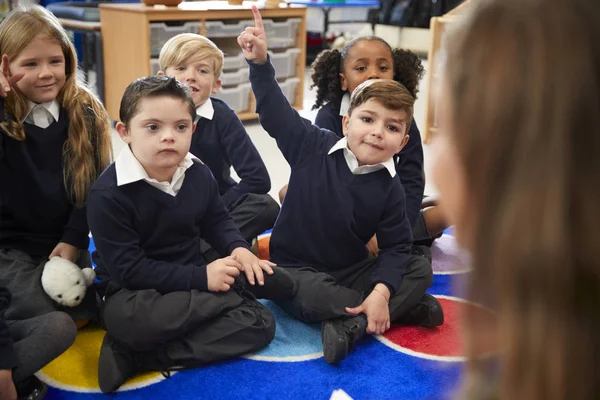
{"x": 326, "y": 69}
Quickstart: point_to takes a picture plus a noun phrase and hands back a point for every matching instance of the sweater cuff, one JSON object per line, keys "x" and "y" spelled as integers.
{"x": 200, "y": 279}
{"x": 8, "y": 358}
{"x": 76, "y": 238}
{"x": 236, "y": 244}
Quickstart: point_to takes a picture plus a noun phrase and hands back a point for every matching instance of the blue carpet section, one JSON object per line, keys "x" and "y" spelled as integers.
{"x": 292, "y": 367}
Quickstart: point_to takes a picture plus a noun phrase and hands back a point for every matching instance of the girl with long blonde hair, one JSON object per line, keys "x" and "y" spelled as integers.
{"x": 518, "y": 152}
{"x": 54, "y": 142}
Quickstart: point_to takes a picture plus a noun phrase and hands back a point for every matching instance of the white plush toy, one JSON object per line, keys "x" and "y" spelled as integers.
{"x": 65, "y": 282}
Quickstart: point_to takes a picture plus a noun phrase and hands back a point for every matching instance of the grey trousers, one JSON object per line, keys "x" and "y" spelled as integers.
{"x": 188, "y": 329}
{"x": 22, "y": 273}
{"x": 39, "y": 340}
{"x": 323, "y": 296}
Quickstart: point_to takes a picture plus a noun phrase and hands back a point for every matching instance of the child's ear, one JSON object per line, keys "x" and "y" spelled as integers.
{"x": 343, "y": 82}
{"x": 403, "y": 143}
{"x": 161, "y": 73}
{"x": 216, "y": 86}
{"x": 345, "y": 121}
{"x": 123, "y": 132}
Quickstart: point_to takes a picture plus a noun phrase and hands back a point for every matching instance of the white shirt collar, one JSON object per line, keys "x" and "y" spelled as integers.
{"x": 206, "y": 110}
{"x": 345, "y": 104}
{"x": 130, "y": 170}
{"x": 52, "y": 108}
{"x": 352, "y": 162}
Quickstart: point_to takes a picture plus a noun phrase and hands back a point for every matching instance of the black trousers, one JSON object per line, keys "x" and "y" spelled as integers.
{"x": 22, "y": 274}
{"x": 188, "y": 329}
{"x": 252, "y": 214}
{"x": 323, "y": 296}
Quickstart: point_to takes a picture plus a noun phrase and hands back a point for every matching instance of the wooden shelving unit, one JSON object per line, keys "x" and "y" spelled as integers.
{"x": 438, "y": 27}
{"x": 127, "y": 40}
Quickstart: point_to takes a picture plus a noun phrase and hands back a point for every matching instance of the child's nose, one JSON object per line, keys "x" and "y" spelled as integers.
{"x": 45, "y": 71}
{"x": 374, "y": 73}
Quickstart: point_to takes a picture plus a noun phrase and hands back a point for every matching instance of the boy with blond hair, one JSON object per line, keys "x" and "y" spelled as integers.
{"x": 341, "y": 193}
{"x": 220, "y": 139}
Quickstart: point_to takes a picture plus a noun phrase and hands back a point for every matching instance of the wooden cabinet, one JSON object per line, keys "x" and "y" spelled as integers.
{"x": 129, "y": 45}
{"x": 438, "y": 27}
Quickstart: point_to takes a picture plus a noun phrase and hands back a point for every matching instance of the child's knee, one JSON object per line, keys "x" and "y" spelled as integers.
{"x": 60, "y": 329}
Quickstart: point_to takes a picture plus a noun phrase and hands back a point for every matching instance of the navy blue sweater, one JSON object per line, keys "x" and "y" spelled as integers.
{"x": 223, "y": 142}
{"x": 7, "y": 353}
{"x": 148, "y": 239}
{"x": 409, "y": 165}
{"x": 329, "y": 214}
{"x": 35, "y": 210}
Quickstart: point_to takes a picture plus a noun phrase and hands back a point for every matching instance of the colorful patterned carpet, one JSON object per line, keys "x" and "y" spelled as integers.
{"x": 404, "y": 363}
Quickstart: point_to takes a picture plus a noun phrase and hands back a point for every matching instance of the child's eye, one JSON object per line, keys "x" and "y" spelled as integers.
{"x": 203, "y": 71}
{"x": 30, "y": 64}
{"x": 383, "y": 69}
{"x": 361, "y": 68}
{"x": 182, "y": 127}
{"x": 152, "y": 127}
{"x": 393, "y": 128}
{"x": 180, "y": 69}
{"x": 367, "y": 119}
{"x": 56, "y": 61}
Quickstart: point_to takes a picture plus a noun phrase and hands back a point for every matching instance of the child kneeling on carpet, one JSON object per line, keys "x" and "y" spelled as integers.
{"x": 342, "y": 192}
{"x": 220, "y": 140}
{"x": 163, "y": 307}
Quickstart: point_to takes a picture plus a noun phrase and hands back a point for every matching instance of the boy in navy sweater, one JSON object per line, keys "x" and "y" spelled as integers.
{"x": 342, "y": 192}
{"x": 220, "y": 139}
{"x": 147, "y": 212}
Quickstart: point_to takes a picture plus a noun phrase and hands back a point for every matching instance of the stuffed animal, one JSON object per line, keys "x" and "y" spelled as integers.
{"x": 65, "y": 282}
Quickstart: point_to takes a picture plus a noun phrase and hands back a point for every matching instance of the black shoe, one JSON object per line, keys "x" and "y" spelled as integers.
{"x": 116, "y": 365}
{"x": 279, "y": 286}
{"x": 31, "y": 389}
{"x": 340, "y": 335}
{"x": 427, "y": 313}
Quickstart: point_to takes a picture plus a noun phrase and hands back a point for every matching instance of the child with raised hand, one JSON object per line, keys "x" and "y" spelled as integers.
{"x": 54, "y": 142}
{"x": 162, "y": 305}
{"x": 342, "y": 192}
{"x": 336, "y": 74}
{"x": 220, "y": 140}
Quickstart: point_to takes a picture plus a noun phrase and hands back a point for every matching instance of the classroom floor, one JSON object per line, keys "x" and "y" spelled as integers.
{"x": 278, "y": 168}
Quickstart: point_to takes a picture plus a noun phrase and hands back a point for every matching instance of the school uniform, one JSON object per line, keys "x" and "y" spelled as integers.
{"x": 152, "y": 274}
{"x": 36, "y": 212}
{"x": 409, "y": 162}
{"x": 331, "y": 210}
{"x": 220, "y": 141}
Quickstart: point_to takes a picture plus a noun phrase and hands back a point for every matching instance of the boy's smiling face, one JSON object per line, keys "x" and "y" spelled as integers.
{"x": 375, "y": 133}
{"x": 199, "y": 74}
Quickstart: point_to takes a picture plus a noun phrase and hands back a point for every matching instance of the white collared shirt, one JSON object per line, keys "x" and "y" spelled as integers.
{"x": 352, "y": 162}
{"x": 43, "y": 114}
{"x": 345, "y": 104}
{"x": 205, "y": 110}
{"x": 130, "y": 170}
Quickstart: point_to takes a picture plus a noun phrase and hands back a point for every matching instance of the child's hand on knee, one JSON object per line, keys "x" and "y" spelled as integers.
{"x": 66, "y": 251}
{"x": 376, "y": 308}
{"x": 253, "y": 40}
{"x": 252, "y": 266}
{"x": 221, "y": 274}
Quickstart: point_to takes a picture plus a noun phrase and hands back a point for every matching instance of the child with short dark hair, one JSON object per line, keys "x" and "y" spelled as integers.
{"x": 336, "y": 74}
{"x": 342, "y": 192}
{"x": 163, "y": 306}
{"x": 220, "y": 140}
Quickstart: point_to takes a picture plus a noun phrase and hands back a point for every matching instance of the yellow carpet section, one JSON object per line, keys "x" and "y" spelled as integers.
{"x": 78, "y": 366}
